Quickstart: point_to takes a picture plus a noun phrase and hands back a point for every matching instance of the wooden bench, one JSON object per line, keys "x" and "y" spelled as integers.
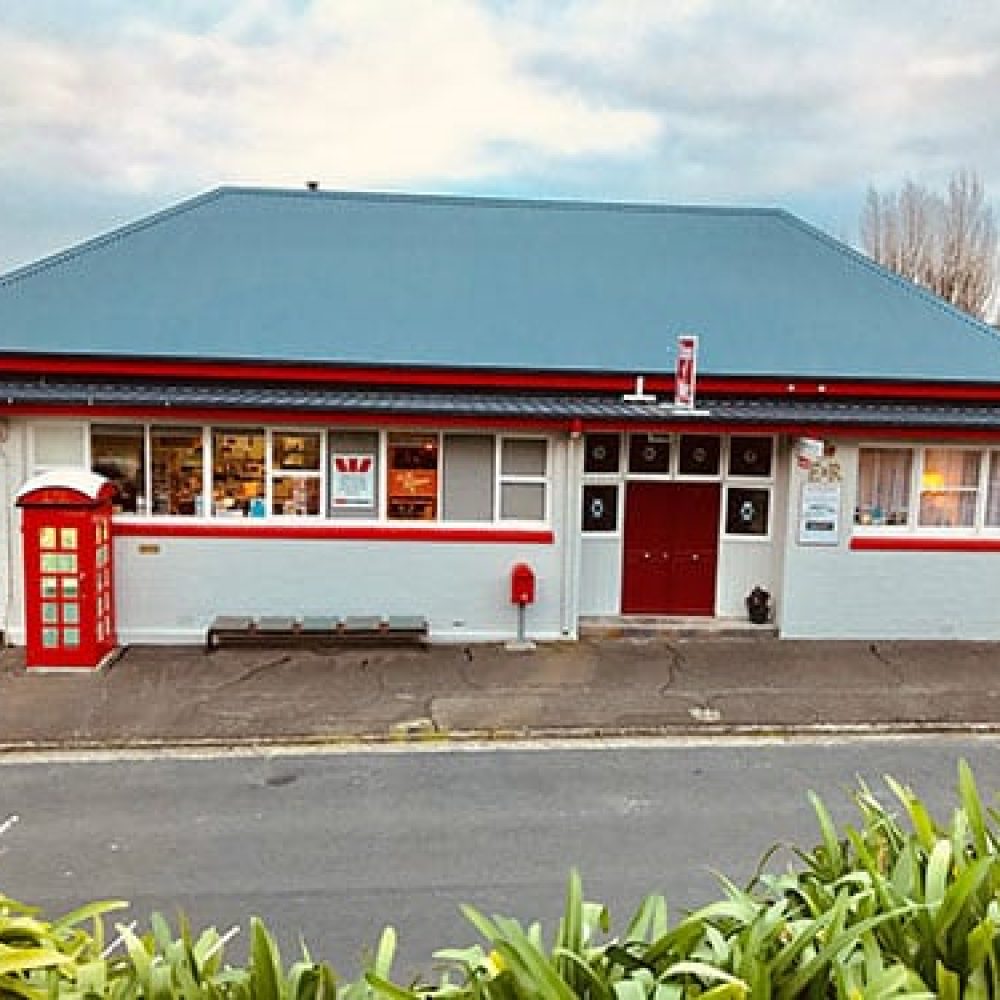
{"x": 318, "y": 629}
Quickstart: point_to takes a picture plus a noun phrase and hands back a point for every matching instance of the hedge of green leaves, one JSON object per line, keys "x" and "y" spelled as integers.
{"x": 888, "y": 906}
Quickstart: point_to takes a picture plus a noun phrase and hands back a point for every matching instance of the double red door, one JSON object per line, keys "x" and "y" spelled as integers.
{"x": 671, "y": 548}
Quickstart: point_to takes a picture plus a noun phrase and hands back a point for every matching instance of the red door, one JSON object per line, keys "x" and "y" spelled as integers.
{"x": 671, "y": 548}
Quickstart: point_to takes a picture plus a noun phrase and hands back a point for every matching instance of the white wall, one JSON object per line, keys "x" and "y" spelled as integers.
{"x": 838, "y": 593}
{"x": 168, "y": 589}
{"x": 463, "y": 589}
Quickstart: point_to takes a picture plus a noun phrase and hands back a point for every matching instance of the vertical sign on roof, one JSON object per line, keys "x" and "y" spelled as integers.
{"x": 685, "y": 373}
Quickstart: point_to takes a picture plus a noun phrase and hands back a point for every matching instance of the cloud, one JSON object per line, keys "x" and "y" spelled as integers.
{"x": 356, "y": 93}
{"x": 688, "y": 100}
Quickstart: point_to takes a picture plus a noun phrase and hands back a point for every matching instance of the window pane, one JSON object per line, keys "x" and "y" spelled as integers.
{"x": 993, "y": 497}
{"x": 600, "y": 508}
{"x": 295, "y": 496}
{"x": 523, "y": 457}
{"x": 949, "y": 488}
{"x": 946, "y": 468}
{"x": 413, "y": 477}
{"x": 750, "y": 456}
{"x": 746, "y": 511}
{"x": 602, "y": 453}
{"x": 237, "y": 472}
{"x": 646, "y": 455}
{"x": 294, "y": 451}
{"x": 698, "y": 455}
{"x": 467, "y": 491}
{"x": 119, "y": 454}
{"x": 884, "y": 476}
{"x": 522, "y": 501}
{"x": 950, "y": 509}
{"x": 58, "y": 444}
{"x": 177, "y": 470}
{"x": 354, "y": 474}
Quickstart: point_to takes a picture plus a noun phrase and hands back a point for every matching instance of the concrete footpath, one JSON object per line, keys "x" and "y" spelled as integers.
{"x": 180, "y": 696}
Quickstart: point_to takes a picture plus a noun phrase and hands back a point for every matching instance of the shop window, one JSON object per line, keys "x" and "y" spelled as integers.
{"x": 119, "y": 454}
{"x": 600, "y": 508}
{"x": 413, "y": 477}
{"x": 296, "y": 471}
{"x": 698, "y": 455}
{"x": 747, "y": 510}
{"x": 238, "y": 486}
{"x": 468, "y": 477}
{"x": 949, "y": 488}
{"x": 178, "y": 472}
{"x": 602, "y": 453}
{"x": 648, "y": 453}
{"x": 523, "y": 479}
{"x": 884, "y": 477}
{"x": 353, "y": 474}
{"x": 57, "y": 444}
{"x": 750, "y": 456}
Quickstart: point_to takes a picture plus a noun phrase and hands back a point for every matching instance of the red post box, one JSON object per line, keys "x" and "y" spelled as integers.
{"x": 68, "y": 568}
{"x": 522, "y": 584}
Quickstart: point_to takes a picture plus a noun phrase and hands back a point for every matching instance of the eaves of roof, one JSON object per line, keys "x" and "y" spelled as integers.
{"x": 161, "y": 399}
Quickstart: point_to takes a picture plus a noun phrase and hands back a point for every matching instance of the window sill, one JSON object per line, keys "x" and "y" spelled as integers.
{"x": 303, "y": 528}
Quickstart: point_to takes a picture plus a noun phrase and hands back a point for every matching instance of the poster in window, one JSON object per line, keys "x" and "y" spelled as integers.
{"x": 819, "y": 514}
{"x": 353, "y": 482}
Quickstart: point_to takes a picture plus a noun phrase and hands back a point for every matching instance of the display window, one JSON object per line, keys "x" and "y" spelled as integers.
{"x": 412, "y": 487}
{"x": 238, "y": 472}
{"x": 177, "y": 470}
{"x": 296, "y": 472}
{"x": 119, "y": 453}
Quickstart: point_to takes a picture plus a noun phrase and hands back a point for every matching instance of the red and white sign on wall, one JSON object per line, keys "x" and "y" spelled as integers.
{"x": 353, "y": 480}
{"x": 685, "y": 373}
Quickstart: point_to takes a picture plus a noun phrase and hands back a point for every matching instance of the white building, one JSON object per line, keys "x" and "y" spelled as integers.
{"x": 340, "y": 404}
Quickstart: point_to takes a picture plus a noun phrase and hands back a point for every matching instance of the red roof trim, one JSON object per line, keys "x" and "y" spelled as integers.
{"x": 876, "y": 543}
{"x": 470, "y": 378}
{"x": 352, "y": 532}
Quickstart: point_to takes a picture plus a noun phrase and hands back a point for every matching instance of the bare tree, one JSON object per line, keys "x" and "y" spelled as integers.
{"x": 948, "y": 243}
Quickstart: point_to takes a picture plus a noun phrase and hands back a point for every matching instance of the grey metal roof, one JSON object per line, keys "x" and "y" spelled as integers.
{"x": 160, "y": 399}
{"x": 338, "y": 278}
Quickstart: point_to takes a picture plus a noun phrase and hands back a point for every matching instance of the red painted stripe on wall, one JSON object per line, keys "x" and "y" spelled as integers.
{"x": 871, "y": 543}
{"x": 352, "y": 532}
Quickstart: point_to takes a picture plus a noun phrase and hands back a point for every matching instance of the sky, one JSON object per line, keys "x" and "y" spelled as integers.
{"x": 112, "y": 109}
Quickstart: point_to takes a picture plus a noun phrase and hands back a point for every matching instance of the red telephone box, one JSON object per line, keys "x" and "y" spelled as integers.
{"x": 68, "y": 568}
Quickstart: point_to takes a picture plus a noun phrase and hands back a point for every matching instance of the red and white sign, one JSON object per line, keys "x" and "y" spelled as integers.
{"x": 685, "y": 373}
{"x": 353, "y": 481}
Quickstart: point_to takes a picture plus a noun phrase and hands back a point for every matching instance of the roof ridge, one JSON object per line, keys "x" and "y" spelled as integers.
{"x": 500, "y": 201}
{"x": 911, "y": 287}
{"x": 112, "y": 236}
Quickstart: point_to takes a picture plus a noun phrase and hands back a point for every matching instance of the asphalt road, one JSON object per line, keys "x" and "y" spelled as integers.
{"x": 334, "y": 846}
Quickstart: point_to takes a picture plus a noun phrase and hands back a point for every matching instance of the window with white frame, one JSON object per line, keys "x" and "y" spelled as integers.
{"x": 54, "y": 445}
{"x": 276, "y": 472}
{"x": 953, "y": 488}
{"x": 523, "y": 479}
{"x": 949, "y": 488}
{"x": 884, "y": 483}
{"x": 296, "y": 473}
